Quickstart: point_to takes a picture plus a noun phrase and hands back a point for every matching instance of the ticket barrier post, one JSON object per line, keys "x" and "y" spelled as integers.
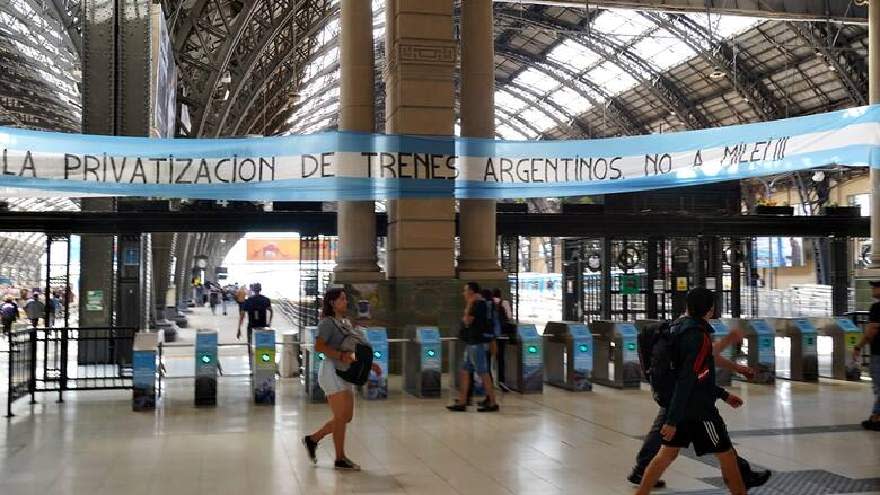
{"x": 376, "y": 387}
{"x": 311, "y": 366}
{"x": 145, "y": 371}
{"x": 568, "y": 355}
{"x": 723, "y": 376}
{"x": 616, "y": 357}
{"x": 796, "y": 357}
{"x": 759, "y": 342}
{"x": 524, "y": 361}
{"x": 835, "y": 357}
{"x": 263, "y": 378}
{"x": 423, "y": 363}
{"x": 206, "y": 367}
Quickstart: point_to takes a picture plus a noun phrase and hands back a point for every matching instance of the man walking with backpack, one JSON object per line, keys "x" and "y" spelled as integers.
{"x": 692, "y": 417}
{"x": 653, "y": 353}
{"x": 477, "y": 331}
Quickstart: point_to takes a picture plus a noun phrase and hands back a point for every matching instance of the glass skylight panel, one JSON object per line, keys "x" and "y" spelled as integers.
{"x": 537, "y": 80}
{"x": 570, "y": 100}
{"x": 506, "y": 100}
{"x": 537, "y": 118}
{"x": 508, "y": 132}
{"x": 622, "y": 23}
{"x": 611, "y": 78}
{"x": 575, "y": 55}
{"x": 663, "y": 50}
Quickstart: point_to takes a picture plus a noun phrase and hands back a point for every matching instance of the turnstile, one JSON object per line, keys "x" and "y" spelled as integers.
{"x": 377, "y": 385}
{"x": 795, "y": 349}
{"x": 145, "y": 368}
{"x": 206, "y": 367}
{"x": 423, "y": 362}
{"x": 616, "y": 358}
{"x": 837, "y": 337}
{"x": 263, "y": 378}
{"x": 758, "y": 346}
{"x": 524, "y": 361}
{"x": 568, "y": 355}
{"x": 723, "y": 376}
{"x": 311, "y": 365}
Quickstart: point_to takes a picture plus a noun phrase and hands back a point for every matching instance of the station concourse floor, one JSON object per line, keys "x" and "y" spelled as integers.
{"x": 556, "y": 443}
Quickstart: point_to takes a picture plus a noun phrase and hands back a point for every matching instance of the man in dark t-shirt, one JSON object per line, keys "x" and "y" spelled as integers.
{"x": 258, "y": 309}
{"x": 872, "y": 337}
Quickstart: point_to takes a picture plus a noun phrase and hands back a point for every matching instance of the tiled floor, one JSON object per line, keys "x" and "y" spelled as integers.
{"x": 556, "y": 443}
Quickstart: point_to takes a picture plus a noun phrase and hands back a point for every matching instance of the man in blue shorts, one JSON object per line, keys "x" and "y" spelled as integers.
{"x": 477, "y": 331}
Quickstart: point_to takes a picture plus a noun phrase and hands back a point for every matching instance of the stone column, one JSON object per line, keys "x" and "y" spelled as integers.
{"x": 356, "y": 220}
{"x": 478, "y": 259}
{"x": 420, "y": 99}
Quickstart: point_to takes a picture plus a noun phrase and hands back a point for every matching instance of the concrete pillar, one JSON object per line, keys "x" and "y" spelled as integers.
{"x": 420, "y": 99}
{"x": 356, "y": 220}
{"x": 161, "y": 249}
{"x": 478, "y": 258}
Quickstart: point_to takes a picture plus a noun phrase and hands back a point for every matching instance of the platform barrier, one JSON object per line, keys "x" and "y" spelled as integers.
{"x": 568, "y": 355}
{"x": 616, "y": 358}
{"x": 836, "y": 339}
{"x": 206, "y": 367}
{"x": 524, "y": 361}
{"x": 423, "y": 362}
{"x": 795, "y": 349}
{"x": 145, "y": 371}
{"x": 758, "y": 347}
{"x": 263, "y": 359}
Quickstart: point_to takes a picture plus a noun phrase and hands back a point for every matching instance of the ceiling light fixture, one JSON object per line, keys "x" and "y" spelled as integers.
{"x": 717, "y": 74}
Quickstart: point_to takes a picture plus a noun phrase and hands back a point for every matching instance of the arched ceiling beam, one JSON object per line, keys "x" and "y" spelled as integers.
{"x": 534, "y": 103}
{"x": 509, "y": 115}
{"x": 70, "y": 14}
{"x": 621, "y": 55}
{"x": 220, "y": 62}
{"x": 282, "y": 96}
{"x": 851, "y": 69}
{"x": 620, "y": 115}
{"x": 540, "y": 101}
{"x": 284, "y": 79}
{"x": 284, "y": 38}
{"x": 722, "y": 56}
{"x": 780, "y": 10}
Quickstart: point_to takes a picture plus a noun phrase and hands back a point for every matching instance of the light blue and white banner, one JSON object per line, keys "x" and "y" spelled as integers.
{"x": 353, "y": 166}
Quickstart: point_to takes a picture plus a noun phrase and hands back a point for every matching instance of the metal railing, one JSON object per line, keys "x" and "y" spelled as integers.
{"x": 22, "y": 357}
{"x": 64, "y": 359}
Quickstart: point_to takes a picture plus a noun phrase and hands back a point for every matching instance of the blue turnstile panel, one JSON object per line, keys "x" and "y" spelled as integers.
{"x": 766, "y": 351}
{"x": 206, "y": 368}
{"x": 808, "y": 336}
{"x": 263, "y": 379}
{"x": 582, "y": 346}
{"x": 720, "y": 330}
{"x": 313, "y": 360}
{"x": 532, "y": 358}
{"x": 377, "y": 385}
{"x": 423, "y": 366}
{"x": 144, "y": 372}
{"x": 632, "y": 368}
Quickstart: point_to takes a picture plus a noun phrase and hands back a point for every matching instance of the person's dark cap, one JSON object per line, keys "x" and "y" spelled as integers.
{"x": 875, "y": 283}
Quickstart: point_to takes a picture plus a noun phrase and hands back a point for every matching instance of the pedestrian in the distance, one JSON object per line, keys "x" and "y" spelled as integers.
{"x": 35, "y": 309}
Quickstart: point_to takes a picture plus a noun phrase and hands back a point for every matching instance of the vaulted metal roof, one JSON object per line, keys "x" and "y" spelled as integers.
{"x": 564, "y": 72}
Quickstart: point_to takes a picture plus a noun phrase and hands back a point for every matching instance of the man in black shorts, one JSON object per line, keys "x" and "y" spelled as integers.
{"x": 692, "y": 416}
{"x": 258, "y": 309}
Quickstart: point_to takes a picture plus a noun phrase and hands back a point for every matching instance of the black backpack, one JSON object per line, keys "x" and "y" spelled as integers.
{"x": 657, "y": 357}
{"x": 359, "y": 371}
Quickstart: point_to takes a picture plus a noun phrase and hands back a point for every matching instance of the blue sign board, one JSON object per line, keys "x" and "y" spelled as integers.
{"x": 377, "y": 385}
